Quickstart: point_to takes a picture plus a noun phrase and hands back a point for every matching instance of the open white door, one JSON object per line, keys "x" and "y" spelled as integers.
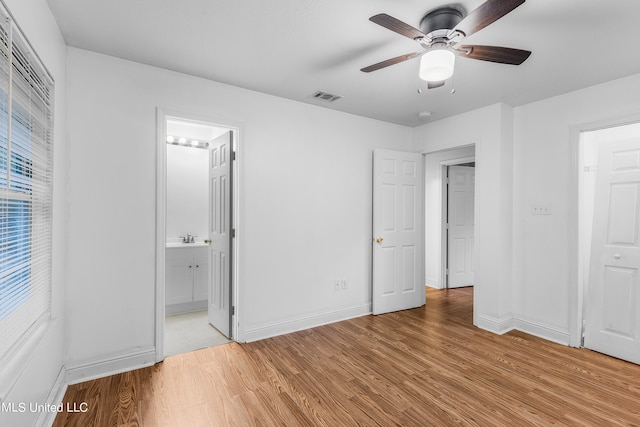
{"x": 460, "y": 241}
{"x": 398, "y": 239}
{"x": 612, "y": 323}
{"x": 220, "y": 233}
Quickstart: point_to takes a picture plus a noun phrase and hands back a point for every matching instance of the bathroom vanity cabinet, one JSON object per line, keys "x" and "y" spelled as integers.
{"x": 186, "y": 278}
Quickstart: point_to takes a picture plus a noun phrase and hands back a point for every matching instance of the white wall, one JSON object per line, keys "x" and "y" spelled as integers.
{"x": 433, "y": 210}
{"x": 546, "y": 171}
{"x": 187, "y": 193}
{"x": 42, "y": 366}
{"x": 305, "y": 205}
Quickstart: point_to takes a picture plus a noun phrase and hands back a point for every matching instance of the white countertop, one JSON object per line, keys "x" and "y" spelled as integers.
{"x": 186, "y": 245}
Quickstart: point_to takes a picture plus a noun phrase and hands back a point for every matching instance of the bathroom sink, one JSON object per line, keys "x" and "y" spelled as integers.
{"x": 186, "y": 245}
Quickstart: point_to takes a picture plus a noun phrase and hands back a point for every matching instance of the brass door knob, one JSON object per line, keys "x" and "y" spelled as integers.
{"x": 207, "y": 241}
{"x": 379, "y": 240}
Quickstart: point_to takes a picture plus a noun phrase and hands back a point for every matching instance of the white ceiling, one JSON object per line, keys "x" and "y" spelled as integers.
{"x": 291, "y": 48}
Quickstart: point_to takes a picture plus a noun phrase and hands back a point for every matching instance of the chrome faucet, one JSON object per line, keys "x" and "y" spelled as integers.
{"x": 188, "y": 238}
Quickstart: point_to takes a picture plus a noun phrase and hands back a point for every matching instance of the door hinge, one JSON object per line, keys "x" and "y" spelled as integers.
{"x": 446, "y": 271}
{"x": 233, "y": 310}
{"x": 233, "y": 155}
{"x": 233, "y": 233}
{"x": 446, "y": 226}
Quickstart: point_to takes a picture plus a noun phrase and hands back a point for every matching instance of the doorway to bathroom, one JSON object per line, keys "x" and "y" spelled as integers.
{"x": 195, "y": 234}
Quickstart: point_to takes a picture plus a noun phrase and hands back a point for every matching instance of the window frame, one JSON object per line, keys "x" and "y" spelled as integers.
{"x": 26, "y": 136}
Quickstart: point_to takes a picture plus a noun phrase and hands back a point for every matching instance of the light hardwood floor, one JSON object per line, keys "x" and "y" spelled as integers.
{"x": 423, "y": 367}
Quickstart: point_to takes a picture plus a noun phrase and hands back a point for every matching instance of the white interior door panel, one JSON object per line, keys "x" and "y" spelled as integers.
{"x": 398, "y": 237}
{"x": 220, "y": 233}
{"x": 460, "y": 244}
{"x": 613, "y": 295}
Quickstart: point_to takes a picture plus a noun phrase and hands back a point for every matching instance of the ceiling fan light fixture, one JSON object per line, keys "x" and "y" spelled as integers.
{"x": 437, "y": 65}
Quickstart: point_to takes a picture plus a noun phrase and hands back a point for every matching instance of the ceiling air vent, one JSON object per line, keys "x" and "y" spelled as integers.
{"x": 326, "y": 96}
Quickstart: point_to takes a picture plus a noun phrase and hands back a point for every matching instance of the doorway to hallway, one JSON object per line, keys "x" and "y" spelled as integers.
{"x": 437, "y": 259}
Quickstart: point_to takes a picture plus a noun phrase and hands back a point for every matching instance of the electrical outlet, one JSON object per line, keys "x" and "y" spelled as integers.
{"x": 343, "y": 284}
{"x": 337, "y": 285}
{"x": 541, "y": 209}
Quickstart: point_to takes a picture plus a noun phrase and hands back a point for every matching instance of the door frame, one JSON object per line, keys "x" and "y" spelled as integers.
{"x": 577, "y": 219}
{"x": 162, "y": 115}
{"x": 444, "y": 233}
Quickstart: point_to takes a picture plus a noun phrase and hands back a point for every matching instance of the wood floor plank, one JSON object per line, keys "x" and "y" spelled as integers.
{"x": 426, "y": 366}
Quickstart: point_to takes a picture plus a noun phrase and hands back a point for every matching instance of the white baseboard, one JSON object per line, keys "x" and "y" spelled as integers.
{"x": 496, "y": 325}
{"x": 185, "y": 307}
{"x": 46, "y": 418}
{"x": 433, "y": 282}
{"x": 306, "y": 322}
{"x": 110, "y": 365}
{"x": 546, "y": 332}
{"x": 508, "y": 323}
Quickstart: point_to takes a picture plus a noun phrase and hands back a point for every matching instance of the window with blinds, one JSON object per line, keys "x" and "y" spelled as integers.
{"x": 26, "y": 150}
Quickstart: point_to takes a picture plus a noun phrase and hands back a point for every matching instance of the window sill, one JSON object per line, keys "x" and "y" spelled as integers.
{"x": 17, "y": 361}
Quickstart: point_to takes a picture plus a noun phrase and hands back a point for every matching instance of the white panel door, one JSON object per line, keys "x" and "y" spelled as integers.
{"x": 220, "y": 233}
{"x": 460, "y": 210}
{"x": 398, "y": 240}
{"x": 612, "y": 322}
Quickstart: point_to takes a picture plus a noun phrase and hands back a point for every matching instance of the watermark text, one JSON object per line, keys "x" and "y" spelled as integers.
{"x": 22, "y": 407}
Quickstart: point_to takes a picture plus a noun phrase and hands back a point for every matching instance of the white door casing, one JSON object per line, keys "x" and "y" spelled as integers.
{"x": 612, "y": 322}
{"x": 460, "y": 244}
{"x": 220, "y": 233}
{"x": 398, "y": 238}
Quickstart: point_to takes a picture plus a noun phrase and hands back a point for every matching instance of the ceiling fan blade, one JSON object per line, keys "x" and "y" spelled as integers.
{"x": 485, "y": 14}
{"x": 393, "y": 24}
{"x": 388, "y": 62}
{"x": 433, "y": 85}
{"x": 502, "y": 55}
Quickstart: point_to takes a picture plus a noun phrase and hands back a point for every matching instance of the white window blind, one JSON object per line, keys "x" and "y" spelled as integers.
{"x": 26, "y": 150}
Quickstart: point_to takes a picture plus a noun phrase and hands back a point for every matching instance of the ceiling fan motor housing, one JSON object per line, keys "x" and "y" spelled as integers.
{"x": 443, "y": 18}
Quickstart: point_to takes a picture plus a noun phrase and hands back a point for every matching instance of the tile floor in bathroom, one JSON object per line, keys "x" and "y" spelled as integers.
{"x": 189, "y": 332}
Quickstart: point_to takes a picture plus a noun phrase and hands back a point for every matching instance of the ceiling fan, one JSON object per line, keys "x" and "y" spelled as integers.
{"x": 441, "y": 33}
